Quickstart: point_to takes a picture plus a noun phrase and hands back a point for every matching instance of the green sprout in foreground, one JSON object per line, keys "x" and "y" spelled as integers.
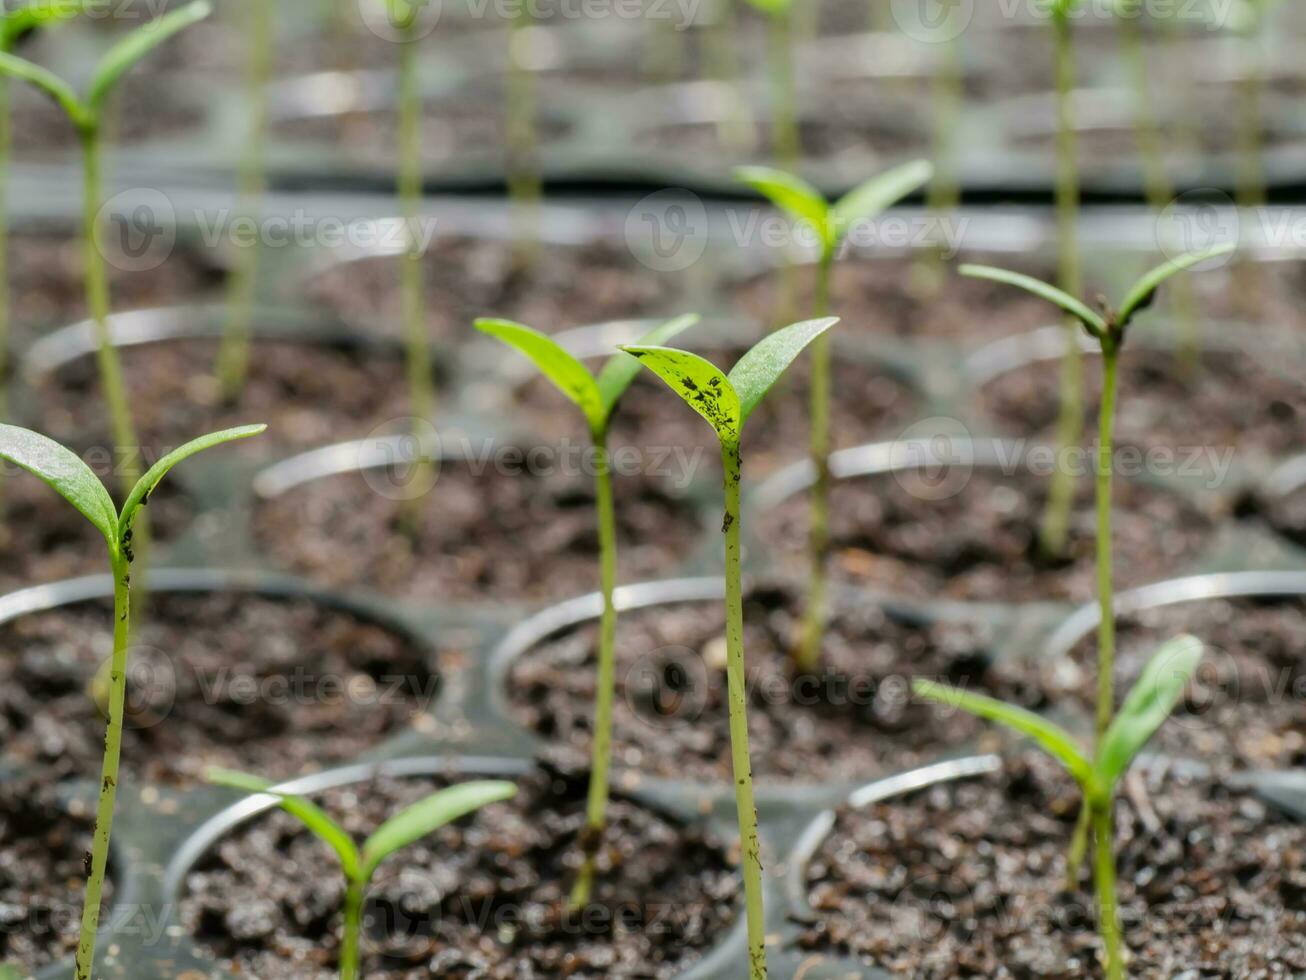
{"x": 832, "y": 223}
{"x": 359, "y": 864}
{"x": 597, "y": 398}
{"x": 1148, "y": 705}
{"x": 726, "y": 402}
{"x": 87, "y": 116}
{"x": 1108, "y": 328}
{"x": 64, "y": 472}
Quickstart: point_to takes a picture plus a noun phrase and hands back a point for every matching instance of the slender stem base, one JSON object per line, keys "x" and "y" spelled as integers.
{"x": 944, "y": 194}
{"x": 99, "y": 856}
{"x": 1251, "y": 191}
{"x": 1106, "y": 629}
{"x": 352, "y": 935}
{"x": 6, "y": 125}
{"x": 1108, "y": 902}
{"x": 596, "y": 812}
{"x": 524, "y": 185}
{"x": 808, "y": 655}
{"x": 737, "y": 682}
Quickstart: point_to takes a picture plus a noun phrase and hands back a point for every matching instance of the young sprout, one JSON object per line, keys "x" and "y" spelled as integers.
{"x": 87, "y": 116}
{"x": 597, "y": 398}
{"x": 65, "y": 473}
{"x": 359, "y": 864}
{"x": 831, "y": 222}
{"x": 726, "y": 402}
{"x": 1148, "y": 705}
{"x": 1108, "y": 328}
{"x": 233, "y": 355}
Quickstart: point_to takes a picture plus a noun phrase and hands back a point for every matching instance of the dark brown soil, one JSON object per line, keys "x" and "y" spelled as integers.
{"x": 44, "y": 841}
{"x": 143, "y": 109}
{"x": 966, "y": 880}
{"x": 878, "y": 296}
{"x": 868, "y": 402}
{"x": 853, "y": 721}
{"x": 1229, "y": 401}
{"x": 491, "y": 534}
{"x": 1286, "y": 514}
{"x": 48, "y": 285}
{"x": 308, "y": 394}
{"x": 469, "y": 278}
{"x": 264, "y": 685}
{"x": 907, "y": 536}
{"x": 482, "y": 898}
{"x": 1248, "y": 705}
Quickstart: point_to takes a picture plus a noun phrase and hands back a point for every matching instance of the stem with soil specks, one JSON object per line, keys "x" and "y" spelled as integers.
{"x": 1108, "y": 902}
{"x": 1106, "y": 630}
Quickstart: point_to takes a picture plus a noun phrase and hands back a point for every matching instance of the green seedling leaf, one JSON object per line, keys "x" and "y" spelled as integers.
{"x": 120, "y": 58}
{"x": 701, "y": 384}
{"x": 46, "y": 81}
{"x": 429, "y": 815}
{"x": 758, "y": 370}
{"x": 877, "y": 195}
{"x": 146, "y": 484}
{"x": 1053, "y": 739}
{"x": 1143, "y": 292}
{"x": 64, "y": 472}
{"x": 312, "y": 816}
{"x": 792, "y": 195}
{"x": 621, "y": 369}
{"x": 1148, "y": 705}
{"x": 8, "y": 972}
{"x": 14, "y": 24}
{"x": 567, "y": 373}
{"x": 771, "y": 7}
{"x": 1093, "y": 321}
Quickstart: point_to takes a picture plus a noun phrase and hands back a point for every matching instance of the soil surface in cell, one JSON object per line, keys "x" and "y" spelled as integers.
{"x": 484, "y": 897}
{"x": 967, "y": 879}
{"x": 272, "y": 686}
{"x": 854, "y": 718}
{"x": 972, "y": 534}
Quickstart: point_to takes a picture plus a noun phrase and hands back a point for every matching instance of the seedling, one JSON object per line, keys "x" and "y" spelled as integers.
{"x": 597, "y": 398}
{"x": 1108, "y": 328}
{"x": 726, "y": 402}
{"x": 1148, "y": 705}
{"x": 831, "y": 223}
{"x": 65, "y": 473}
{"x": 87, "y": 116}
{"x": 359, "y": 864}
{"x": 233, "y": 356}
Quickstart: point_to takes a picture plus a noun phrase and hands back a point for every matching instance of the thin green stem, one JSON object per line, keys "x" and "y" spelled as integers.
{"x": 666, "y": 57}
{"x": 524, "y": 186}
{"x": 421, "y": 381}
{"x": 943, "y": 197}
{"x": 597, "y": 805}
{"x": 737, "y": 684}
{"x": 808, "y": 658}
{"x": 1070, "y": 424}
{"x": 6, "y": 127}
{"x": 233, "y": 355}
{"x": 1107, "y": 898}
{"x": 1106, "y": 629}
{"x": 721, "y": 57}
{"x": 1251, "y": 191}
{"x": 785, "y": 140}
{"x": 352, "y": 932}
{"x": 109, "y": 770}
{"x": 1078, "y": 846}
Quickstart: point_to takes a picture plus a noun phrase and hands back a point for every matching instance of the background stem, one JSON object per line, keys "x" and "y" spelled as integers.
{"x": 109, "y": 770}
{"x": 6, "y": 128}
{"x": 597, "y": 804}
{"x": 1106, "y": 630}
{"x": 721, "y": 57}
{"x": 524, "y": 190}
{"x": 1070, "y": 424}
{"x": 1251, "y": 191}
{"x": 737, "y": 681}
{"x": 421, "y": 382}
{"x": 943, "y": 196}
{"x": 352, "y": 931}
{"x": 1108, "y": 902}
{"x": 786, "y": 144}
{"x": 808, "y": 658}
{"x": 233, "y": 356}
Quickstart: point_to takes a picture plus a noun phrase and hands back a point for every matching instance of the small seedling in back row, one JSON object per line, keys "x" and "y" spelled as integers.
{"x": 74, "y": 480}
{"x": 727, "y": 401}
{"x": 1148, "y": 705}
{"x": 597, "y": 398}
{"x": 832, "y": 223}
{"x": 87, "y": 116}
{"x": 359, "y": 864}
{"x": 786, "y": 142}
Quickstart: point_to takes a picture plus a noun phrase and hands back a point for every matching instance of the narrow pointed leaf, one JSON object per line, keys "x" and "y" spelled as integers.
{"x": 1148, "y": 705}
{"x": 702, "y": 385}
{"x": 120, "y": 58}
{"x": 758, "y": 370}
{"x": 771, "y": 7}
{"x": 621, "y": 369}
{"x": 312, "y": 816}
{"x": 40, "y": 13}
{"x": 47, "y": 81}
{"x": 1053, "y": 739}
{"x": 878, "y": 194}
{"x": 792, "y": 195}
{"x": 146, "y": 484}
{"x": 429, "y": 815}
{"x": 555, "y": 362}
{"x": 64, "y": 472}
{"x": 1093, "y": 321}
{"x": 1144, "y": 291}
